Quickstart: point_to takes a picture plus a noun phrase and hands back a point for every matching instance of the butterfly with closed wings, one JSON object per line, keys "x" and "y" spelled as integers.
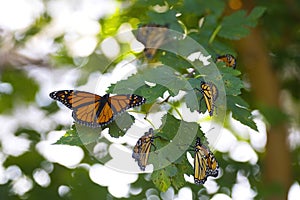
{"x": 93, "y": 110}
{"x": 142, "y": 149}
{"x": 210, "y": 94}
{"x": 205, "y": 163}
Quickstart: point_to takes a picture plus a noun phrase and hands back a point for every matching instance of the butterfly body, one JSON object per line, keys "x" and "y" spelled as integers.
{"x": 142, "y": 149}
{"x": 205, "y": 163}
{"x": 210, "y": 94}
{"x": 93, "y": 110}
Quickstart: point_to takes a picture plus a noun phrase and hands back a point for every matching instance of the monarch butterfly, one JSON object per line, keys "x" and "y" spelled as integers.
{"x": 93, "y": 110}
{"x": 210, "y": 95}
{"x": 152, "y": 36}
{"x": 205, "y": 163}
{"x": 229, "y": 60}
{"x": 142, "y": 148}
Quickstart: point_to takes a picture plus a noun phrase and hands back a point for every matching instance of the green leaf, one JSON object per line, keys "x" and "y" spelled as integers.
{"x": 164, "y": 76}
{"x": 17, "y": 79}
{"x": 175, "y": 138}
{"x": 121, "y": 124}
{"x": 183, "y": 167}
{"x": 109, "y": 27}
{"x": 240, "y": 111}
{"x": 176, "y": 62}
{"x": 172, "y": 175}
{"x": 236, "y": 25}
{"x": 233, "y": 84}
{"x": 80, "y": 135}
{"x": 146, "y": 3}
{"x": 256, "y": 13}
{"x": 233, "y": 26}
{"x": 70, "y": 138}
{"x": 97, "y": 62}
{"x": 161, "y": 180}
{"x": 173, "y": 129}
{"x": 151, "y": 93}
{"x": 171, "y": 170}
{"x": 165, "y": 18}
{"x": 202, "y": 8}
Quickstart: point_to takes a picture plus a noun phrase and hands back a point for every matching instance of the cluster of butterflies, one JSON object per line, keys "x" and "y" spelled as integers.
{"x": 205, "y": 163}
{"x": 97, "y": 111}
{"x": 152, "y": 36}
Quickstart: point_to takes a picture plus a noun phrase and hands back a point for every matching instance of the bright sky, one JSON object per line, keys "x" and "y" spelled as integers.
{"x": 78, "y": 20}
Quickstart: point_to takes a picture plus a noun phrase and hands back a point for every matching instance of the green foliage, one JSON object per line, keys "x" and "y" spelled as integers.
{"x": 35, "y": 28}
{"x": 163, "y": 76}
{"x": 172, "y": 76}
{"x": 172, "y": 155}
{"x": 97, "y": 62}
{"x": 240, "y": 111}
{"x": 120, "y": 126}
{"x": 70, "y": 138}
{"x": 19, "y": 94}
{"x": 161, "y": 179}
{"x": 151, "y": 93}
{"x": 233, "y": 84}
{"x": 236, "y": 25}
{"x": 181, "y": 65}
{"x": 62, "y": 57}
{"x": 29, "y": 161}
{"x": 80, "y": 135}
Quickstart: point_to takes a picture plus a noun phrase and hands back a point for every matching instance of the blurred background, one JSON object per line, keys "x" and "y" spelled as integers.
{"x": 52, "y": 45}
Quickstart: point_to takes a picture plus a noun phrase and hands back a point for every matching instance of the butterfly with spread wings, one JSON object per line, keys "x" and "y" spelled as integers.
{"x": 205, "y": 163}
{"x": 142, "y": 149}
{"x": 229, "y": 60}
{"x": 152, "y": 36}
{"x": 93, "y": 110}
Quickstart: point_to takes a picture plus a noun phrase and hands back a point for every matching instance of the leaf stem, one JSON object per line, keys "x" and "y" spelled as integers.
{"x": 214, "y": 34}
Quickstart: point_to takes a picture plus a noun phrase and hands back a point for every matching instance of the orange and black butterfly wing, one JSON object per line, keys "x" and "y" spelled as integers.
{"x": 64, "y": 96}
{"x": 214, "y": 91}
{"x": 206, "y": 92}
{"x": 210, "y": 94}
{"x": 122, "y": 102}
{"x": 152, "y": 37}
{"x": 213, "y": 166}
{"x": 212, "y": 163}
{"x": 109, "y": 108}
{"x": 142, "y": 149}
{"x": 88, "y": 109}
{"x": 93, "y": 110}
{"x": 205, "y": 163}
{"x": 105, "y": 109}
{"x": 200, "y": 164}
{"x": 144, "y": 153}
{"x": 229, "y": 60}
{"x": 136, "y": 150}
